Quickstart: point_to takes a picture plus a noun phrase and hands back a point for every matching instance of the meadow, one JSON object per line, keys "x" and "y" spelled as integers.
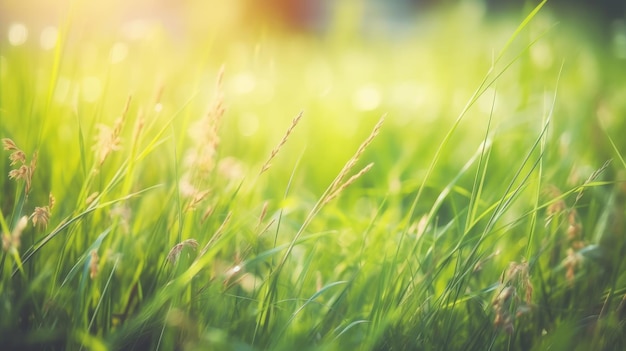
{"x": 459, "y": 186}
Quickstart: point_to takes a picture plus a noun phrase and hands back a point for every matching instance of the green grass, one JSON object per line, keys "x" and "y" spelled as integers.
{"x": 492, "y": 217}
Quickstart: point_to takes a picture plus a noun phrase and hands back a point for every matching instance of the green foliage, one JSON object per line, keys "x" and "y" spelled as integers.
{"x": 152, "y": 203}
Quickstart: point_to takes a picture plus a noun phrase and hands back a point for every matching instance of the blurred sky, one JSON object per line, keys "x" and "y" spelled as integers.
{"x": 186, "y": 19}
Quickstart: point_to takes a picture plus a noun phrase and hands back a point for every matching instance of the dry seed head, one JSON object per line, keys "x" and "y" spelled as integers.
{"x": 19, "y": 174}
{"x": 17, "y": 157}
{"x": 572, "y": 262}
{"x": 421, "y": 226}
{"x": 108, "y": 139}
{"x": 93, "y": 264}
{"x": 11, "y": 242}
{"x": 556, "y": 207}
{"x": 7, "y": 242}
{"x": 318, "y": 281}
{"x": 350, "y": 164}
{"x": 502, "y": 308}
{"x": 92, "y": 197}
{"x": 122, "y": 214}
{"x": 208, "y": 212}
{"x": 197, "y": 198}
{"x": 204, "y": 133}
{"x": 591, "y": 178}
{"x": 348, "y": 182}
{"x": 267, "y": 227}
{"x": 263, "y": 213}
{"x": 573, "y": 231}
{"x": 9, "y": 145}
{"x": 217, "y": 234}
{"x": 517, "y": 275}
{"x": 31, "y": 171}
{"x": 574, "y": 228}
{"x": 174, "y": 253}
{"x": 230, "y": 168}
{"x": 41, "y": 216}
{"x": 139, "y": 123}
{"x": 275, "y": 151}
{"x": 33, "y": 162}
{"x": 25, "y": 173}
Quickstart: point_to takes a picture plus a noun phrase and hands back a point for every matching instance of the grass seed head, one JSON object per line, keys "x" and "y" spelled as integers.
{"x": 26, "y": 170}
{"x": 93, "y": 264}
{"x": 17, "y": 157}
{"x": 507, "y": 304}
{"x": 107, "y": 141}
{"x": 41, "y": 216}
{"x": 11, "y": 242}
{"x": 572, "y": 263}
{"x": 275, "y": 150}
{"x": 502, "y": 306}
{"x": 19, "y": 173}
{"x": 91, "y": 197}
{"x": 175, "y": 251}
{"x": 556, "y": 206}
{"x": 109, "y": 138}
{"x": 9, "y": 145}
{"x": 200, "y": 159}
{"x": 353, "y": 160}
{"x": 51, "y": 201}
{"x": 347, "y": 183}
{"x": 263, "y": 214}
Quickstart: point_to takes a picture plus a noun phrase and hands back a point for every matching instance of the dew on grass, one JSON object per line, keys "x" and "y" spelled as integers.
{"x": 48, "y": 38}
{"x": 18, "y": 34}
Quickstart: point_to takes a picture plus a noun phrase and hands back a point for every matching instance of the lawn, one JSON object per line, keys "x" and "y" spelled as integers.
{"x": 453, "y": 184}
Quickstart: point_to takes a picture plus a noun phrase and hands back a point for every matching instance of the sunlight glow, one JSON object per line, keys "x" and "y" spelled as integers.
{"x": 91, "y": 88}
{"x": 118, "y": 53}
{"x": 18, "y": 34}
{"x": 48, "y": 38}
{"x": 366, "y": 98}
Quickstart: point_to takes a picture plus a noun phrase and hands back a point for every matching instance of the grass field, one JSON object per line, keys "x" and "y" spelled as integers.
{"x": 456, "y": 187}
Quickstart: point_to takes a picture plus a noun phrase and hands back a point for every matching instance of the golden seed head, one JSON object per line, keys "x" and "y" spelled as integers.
{"x": 19, "y": 174}
{"x": 17, "y": 157}
{"x": 9, "y": 145}
{"x": 41, "y": 216}
{"x": 92, "y": 197}
{"x": 93, "y": 264}
{"x": 174, "y": 253}
{"x": 6, "y": 241}
{"x": 12, "y": 241}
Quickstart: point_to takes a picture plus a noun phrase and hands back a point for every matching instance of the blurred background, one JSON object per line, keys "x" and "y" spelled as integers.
{"x": 189, "y": 19}
{"x": 345, "y": 63}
